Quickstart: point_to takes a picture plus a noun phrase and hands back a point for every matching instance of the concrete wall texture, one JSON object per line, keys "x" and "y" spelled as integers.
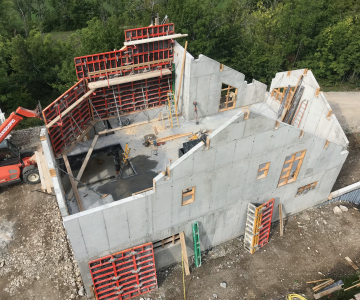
{"x": 225, "y": 176}
{"x": 202, "y": 82}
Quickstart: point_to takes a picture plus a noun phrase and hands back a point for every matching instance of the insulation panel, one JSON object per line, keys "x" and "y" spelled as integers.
{"x": 125, "y": 274}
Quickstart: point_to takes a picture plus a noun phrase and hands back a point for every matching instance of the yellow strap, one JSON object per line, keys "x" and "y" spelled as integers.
{"x": 182, "y": 260}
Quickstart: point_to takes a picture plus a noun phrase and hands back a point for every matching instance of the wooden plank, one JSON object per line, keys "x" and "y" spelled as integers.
{"x": 281, "y": 220}
{"x": 181, "y": 76}
{"x": 70, "y": 108}
{"x": 143, "y": 191}
{"x": 130, "y": 66}
{"x": 323, "y": 285}
{"x": 72, "y": 181}
{"x": 85, "y": 162}
{"x": 42, "y": 179}
{"x": 349, "y": 288}
{"x": 327, "y": 292}
{"x": 173, "y": 137}
{"x": 351, "y": 263}
{"x": 48, "y": 181}
{"x": 129, "y": 78}
{"x": 184, "y": 252}
{"x": 155, "y": 39}
{"x": 318, "y": 280}
{"x": 126, "y": 127}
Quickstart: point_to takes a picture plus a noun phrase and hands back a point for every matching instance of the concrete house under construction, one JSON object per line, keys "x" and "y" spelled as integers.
{"x": 163, "y": 149}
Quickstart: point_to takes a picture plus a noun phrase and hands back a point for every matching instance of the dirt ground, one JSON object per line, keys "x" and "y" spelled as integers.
{"x": 36, "y": 261}
{"x": 313, "y": 247}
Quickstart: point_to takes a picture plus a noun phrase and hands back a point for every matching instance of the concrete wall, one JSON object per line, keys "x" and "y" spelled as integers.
{"x": 202, "y": 82}
{"x": 225, "y": 180}
{"x": 315, "y": 117}
{"x": 49, "y": 157}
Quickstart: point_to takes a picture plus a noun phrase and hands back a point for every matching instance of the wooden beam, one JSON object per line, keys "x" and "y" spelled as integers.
{"x": 72, "y": 181}
{"x": 314, "y": 281}
{"x": 127, "y": 79}
{"x": 85, "y": 162}
{"x": 173, "y": 137}
{"x": 181, "y": 76}
{"x": 42, "y": 179}
{"x": 70, "y": 108}
{"x": 184, "y": 253}
{"x": 160, "y": 38}
{"x": 126, "y": 127}
{"x": 46, "y": 172}
{"x": 281, "y": 220}
{"x": 143, "y": 191}
{"x": 351, "y": 263}
{"x": 130, "y": 66}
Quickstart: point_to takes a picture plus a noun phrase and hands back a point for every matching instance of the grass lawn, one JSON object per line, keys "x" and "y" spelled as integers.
{"x": 340, "y": 87}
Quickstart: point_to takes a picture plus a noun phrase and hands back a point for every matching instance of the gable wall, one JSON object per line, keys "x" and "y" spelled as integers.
{"x": 225, "y": 180}
{"x": 315, "y": 119}
{"x": 202, "y": 82}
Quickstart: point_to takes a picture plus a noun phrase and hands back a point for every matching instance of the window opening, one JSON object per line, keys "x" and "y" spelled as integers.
{"x": 263, "y": 170}
{"x": 291, "y": 168}
{"x": 306, "y": 188}
{"x": 188, "y": 196}
{"x": 228, "y": 97}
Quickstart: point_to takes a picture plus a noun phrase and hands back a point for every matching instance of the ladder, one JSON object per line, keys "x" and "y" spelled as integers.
{"x": 258, "y": 223}
{"x": 299, "y": 113}
{"x": 125, "y": 159}
{"x": 172, "y": 110}
{"x": 197, "y": 250}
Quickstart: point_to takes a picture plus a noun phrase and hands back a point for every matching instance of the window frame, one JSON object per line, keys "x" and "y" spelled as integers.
{"x": 186, "y": 193}
{"x": 306, "y": 188}
{"x": 228, "y": 88}
{"x": 288, "y": 169}
{"x": 264, "y": 169}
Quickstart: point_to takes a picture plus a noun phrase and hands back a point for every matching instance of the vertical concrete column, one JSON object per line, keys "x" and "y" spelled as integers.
{"x": 54, "y": 173}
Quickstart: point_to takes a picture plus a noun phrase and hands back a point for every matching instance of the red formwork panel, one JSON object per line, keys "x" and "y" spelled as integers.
{"x": 129, "y": 97}
{"x": 266, "y": 217}
{"x": 125, "y": 274}
{"x": 103, "y": 65}
{"x": 71, "y": 125}
{"x": 149, "y": 32}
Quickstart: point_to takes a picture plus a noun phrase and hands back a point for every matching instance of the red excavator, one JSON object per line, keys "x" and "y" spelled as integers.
{"x": 16, "y": 165}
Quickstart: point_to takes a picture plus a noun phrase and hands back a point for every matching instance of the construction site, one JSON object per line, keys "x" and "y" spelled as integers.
{"x": 158, "y": 159}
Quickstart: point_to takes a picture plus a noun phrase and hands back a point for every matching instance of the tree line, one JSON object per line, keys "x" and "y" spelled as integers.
{"x": 257, "y": 38}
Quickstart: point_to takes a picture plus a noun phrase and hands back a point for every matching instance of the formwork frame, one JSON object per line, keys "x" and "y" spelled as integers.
{"x": 125, "y": 274}
{"x": 71, "y": 125}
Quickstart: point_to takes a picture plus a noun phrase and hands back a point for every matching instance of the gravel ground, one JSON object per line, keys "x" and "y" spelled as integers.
{"x": 35, "y": 256}
{"x": 313, "y": 247}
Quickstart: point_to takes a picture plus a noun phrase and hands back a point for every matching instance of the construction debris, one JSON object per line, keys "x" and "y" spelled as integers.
{"x": 351, "y": 263}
